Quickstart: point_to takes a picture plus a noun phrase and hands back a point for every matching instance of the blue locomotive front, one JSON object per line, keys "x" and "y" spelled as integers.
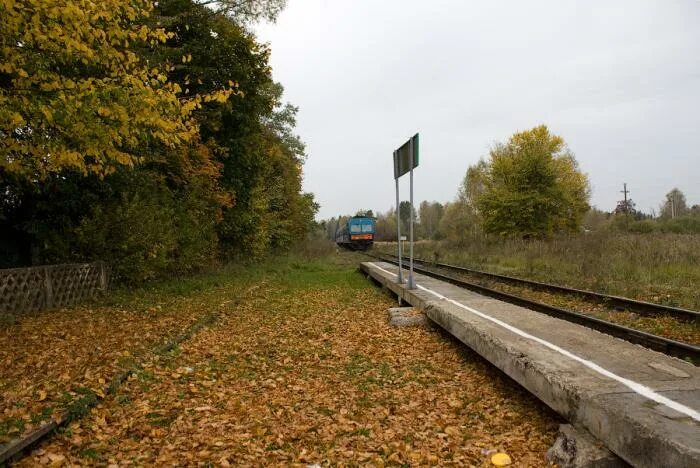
{"x": 357, "y": 233}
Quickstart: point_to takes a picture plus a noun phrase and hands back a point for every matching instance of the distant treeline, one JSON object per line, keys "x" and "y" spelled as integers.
{"x": 150, "y": 135}
{"x": 529, "y": 187}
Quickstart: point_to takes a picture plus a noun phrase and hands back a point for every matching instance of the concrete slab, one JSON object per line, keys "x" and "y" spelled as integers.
{"x": 576, "y": 448}
{"x": 406, "y": 317}
{"x": 642, "y": 404}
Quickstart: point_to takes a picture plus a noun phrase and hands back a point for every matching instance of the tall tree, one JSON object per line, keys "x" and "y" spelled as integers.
{"x": 386, "y": 226}
{"x": 473, "y": 184}
{"x": 627, "y": 207}
{"x": 252, "y": 132}
{"x": 331, "y": 228}
{"x": 74, "y": 93}
{"x": 103, "y": 135}
{"x": 430, "y": 215}
{"x": 595, "y": 219}
{"x": 405, "y": 214}
{"x": 674, "y": 204}
{"x": 458, "y": 222}
{"x": 234, "y": 184}
{"x": 532, "y": 186}
{"x": 247, "y": 11}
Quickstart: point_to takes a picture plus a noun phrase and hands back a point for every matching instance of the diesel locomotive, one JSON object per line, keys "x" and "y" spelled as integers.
{"x": 357, "y": 233}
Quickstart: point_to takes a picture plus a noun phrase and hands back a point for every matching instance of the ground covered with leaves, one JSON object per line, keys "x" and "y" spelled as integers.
{"x": 305, "y": 369}
{"x": 54, "y": 362}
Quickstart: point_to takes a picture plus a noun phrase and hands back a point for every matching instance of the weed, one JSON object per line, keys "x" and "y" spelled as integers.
{"x": 358, "y": 365}
{"x": 145, "y": 378}
{"x": 81, "y": 406}
{"x": 12, "y": 426}
{"x": 123, "y": 399}
{"x": 91, "y": 453}
{"x": 43, "y": 415}
{"x": 160, "y": 420}
{"x": 363, "y": 431}
{"x": 272, "y": 447}
{"x": 385, "y": 370}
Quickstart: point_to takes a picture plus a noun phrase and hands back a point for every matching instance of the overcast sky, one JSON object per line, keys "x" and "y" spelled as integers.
{"x": 618, "y": 80}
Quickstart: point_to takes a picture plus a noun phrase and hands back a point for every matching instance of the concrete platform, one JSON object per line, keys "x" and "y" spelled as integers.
{"x": 643, "y": 405}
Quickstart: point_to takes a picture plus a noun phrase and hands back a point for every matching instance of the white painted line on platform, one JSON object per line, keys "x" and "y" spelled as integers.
{"x": 632, "y": 385}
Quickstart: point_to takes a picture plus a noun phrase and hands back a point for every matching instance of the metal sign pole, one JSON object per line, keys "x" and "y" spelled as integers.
{"x": 405, "y": 160}
{"x": 398, "y": 231}
{"x": 411, "y": 280}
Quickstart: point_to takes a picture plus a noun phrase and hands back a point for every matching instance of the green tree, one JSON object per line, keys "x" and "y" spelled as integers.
{"x": 626, "y": 207}
{"x": 386, "y": 226}
{"x": 331, "y": 228}
{"x": 674, "y": 204}
{"x": 247, "y": 11}
{"x": 233, "y": 185}
{"x": 251, "y": 134}
{"x": 75, "y": 94}
{"x": 368, "y": 213}
{"x": 430, "y": 215}
{"x": 595, "y": 219}
{"x": 405, "y": 214}
{"x": 532, "y": 187}
{"x": 458, "y": 222}
{"x": 473, "y": 184}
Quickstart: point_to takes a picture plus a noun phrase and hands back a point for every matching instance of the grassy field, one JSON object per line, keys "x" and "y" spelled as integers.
{"x": 287, "y": 362}
{"x": 662, "y": 268}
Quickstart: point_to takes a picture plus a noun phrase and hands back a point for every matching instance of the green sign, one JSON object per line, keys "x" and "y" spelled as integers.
{"x": 406, "y": 157}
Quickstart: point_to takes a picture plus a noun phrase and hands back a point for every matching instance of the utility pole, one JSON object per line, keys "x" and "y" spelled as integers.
{"x": 673, "y": 205}
{"x": 625, "y": 191}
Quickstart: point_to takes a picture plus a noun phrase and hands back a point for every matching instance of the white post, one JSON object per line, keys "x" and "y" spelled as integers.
{"x": 398, "y": 230}
{"x": 411, "y": 280}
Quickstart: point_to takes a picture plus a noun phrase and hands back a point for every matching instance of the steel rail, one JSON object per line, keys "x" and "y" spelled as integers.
{"x": 642, "y": 307}
{"x": 667, "y": 346}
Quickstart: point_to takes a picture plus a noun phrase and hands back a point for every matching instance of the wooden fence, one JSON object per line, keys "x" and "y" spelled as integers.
{"x": 52, "y": 286}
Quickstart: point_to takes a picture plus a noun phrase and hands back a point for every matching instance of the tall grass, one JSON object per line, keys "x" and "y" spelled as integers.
{"x": 658, "y": 267}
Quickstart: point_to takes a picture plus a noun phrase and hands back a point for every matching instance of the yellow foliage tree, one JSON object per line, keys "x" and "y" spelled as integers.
{"x": 74, "y": 93}
{"x": 530, "y": 187}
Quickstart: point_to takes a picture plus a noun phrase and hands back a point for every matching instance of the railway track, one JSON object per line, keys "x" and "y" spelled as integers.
{"x": 618, "y": 302}
{"x": 665, "y": 345}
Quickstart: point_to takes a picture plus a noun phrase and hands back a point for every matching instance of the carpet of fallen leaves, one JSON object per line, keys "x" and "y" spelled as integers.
{"x": 50, "y": 359}
{"x": 309, "y": 371}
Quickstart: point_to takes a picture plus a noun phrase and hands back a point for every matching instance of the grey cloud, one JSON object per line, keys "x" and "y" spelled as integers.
{"x": 620, "y": 81}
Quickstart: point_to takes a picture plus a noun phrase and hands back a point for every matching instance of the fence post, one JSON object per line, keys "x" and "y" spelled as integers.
{"x": 48, "y": 287}
{"x": 103, "y": 276}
